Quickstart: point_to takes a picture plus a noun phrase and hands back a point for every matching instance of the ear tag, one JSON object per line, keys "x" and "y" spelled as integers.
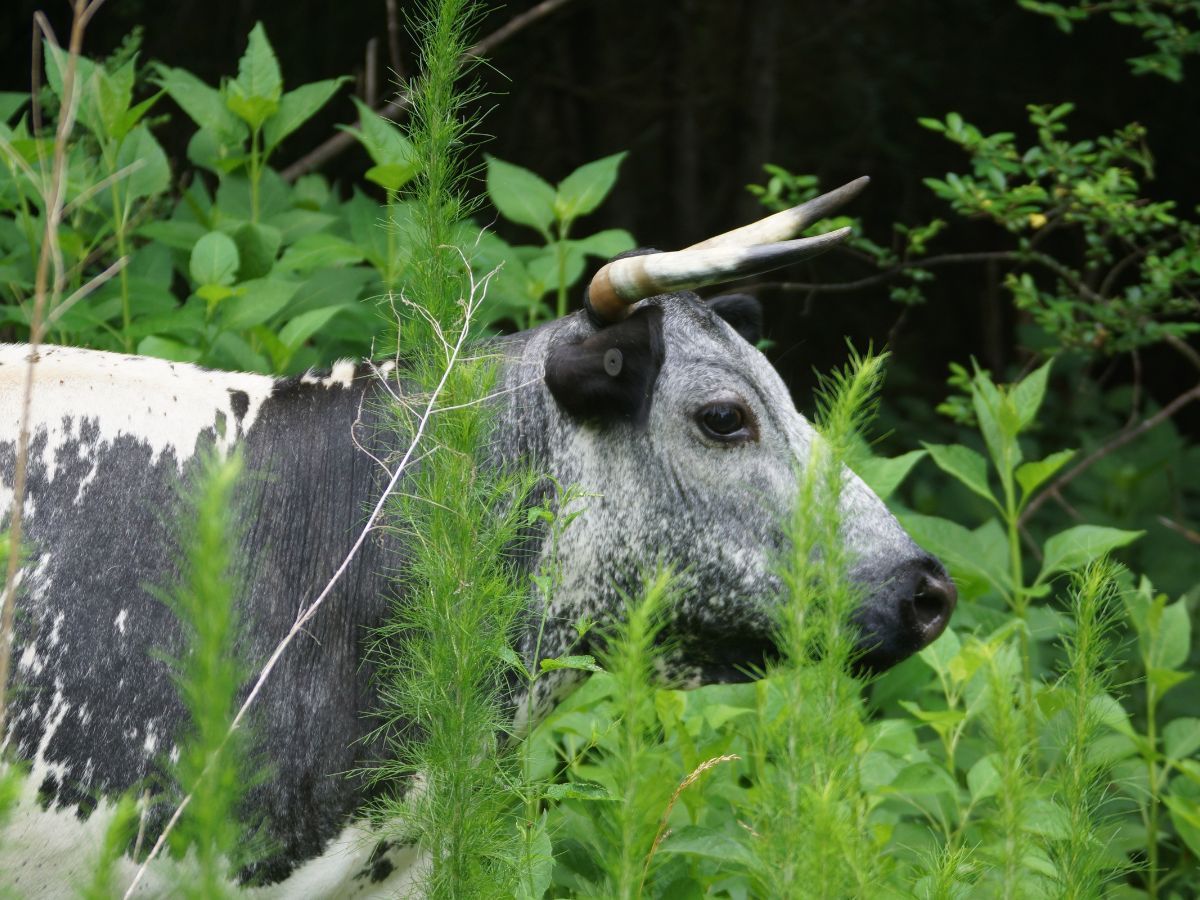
{"x": 613, "y": 360}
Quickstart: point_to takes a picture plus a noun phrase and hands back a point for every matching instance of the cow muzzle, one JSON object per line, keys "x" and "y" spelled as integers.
{"x": 908, "y": 614}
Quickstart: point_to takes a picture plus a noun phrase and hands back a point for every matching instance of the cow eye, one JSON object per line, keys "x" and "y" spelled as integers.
{"x": 723, "y": 421}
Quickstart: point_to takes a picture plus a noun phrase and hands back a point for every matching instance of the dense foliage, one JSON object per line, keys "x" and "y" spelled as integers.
{"x": 1045, "y": 746}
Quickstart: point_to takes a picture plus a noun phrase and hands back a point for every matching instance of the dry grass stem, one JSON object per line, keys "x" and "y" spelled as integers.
{"x": 692, "y": 777}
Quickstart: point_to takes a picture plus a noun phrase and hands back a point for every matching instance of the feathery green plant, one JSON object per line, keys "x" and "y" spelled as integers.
{"x": 208, "y": 674}
{"x": 811, "y": 816}
{"x": 1082, "y": 769}
{"x": 445, "y": 656}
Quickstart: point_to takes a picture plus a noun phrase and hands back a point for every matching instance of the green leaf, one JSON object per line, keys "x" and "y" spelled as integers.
{"x": 214, "y": 259}
{"x": 520, "y": 195}
{"x": 923, "y": 778}
{"x": 165, "y": 348}
{"x": 510, "y": 656}
{"x": 11, "y": 102}
{"x": 581, "y": 663}
{"x": 543, "y": 269}
{"x": 1027, "y": 395}
{"x": 204, "y": 105}
{"x": 711, "y": 843}
{"x": 1173, "y": 638}
{"x": 1181, "y": 737}
{"x": 1185, "y": 816}
{"x": 254, "y": 95}
{"x": 150, "y": 174}
{"x": 256, "y": 302}
{"x": 585, "y": 188}
{"x": 605, "y": 244}
{"x": 1078, "y": 546}
{"x": 983, "y": 780}
{"x": 257, "y": 246}
{"x": 305, "y": 325}
{"x": 939, "y": 654}
{"x": 297, "y": 107}
{"x": 177, "y": 234}
{"x": 395, "y": 159}
{"x": 1047, "y": 818}
{"x": 1032, "y": 475}
{"x": 319, "y": 251}
{"x": 536, "y": 864}
{"x": 965, "y": 465}
{"x": 883, "y": 476}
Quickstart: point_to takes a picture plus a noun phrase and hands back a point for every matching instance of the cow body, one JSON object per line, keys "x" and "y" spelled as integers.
{"x": 93, "y": 707}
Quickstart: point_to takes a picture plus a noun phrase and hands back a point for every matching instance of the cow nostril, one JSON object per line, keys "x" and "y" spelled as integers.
{"x": 931, "y": 606}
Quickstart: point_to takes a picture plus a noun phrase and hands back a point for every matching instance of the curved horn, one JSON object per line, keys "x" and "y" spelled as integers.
{"x": 623, "y": 282}
{"x": 789, "y": 223}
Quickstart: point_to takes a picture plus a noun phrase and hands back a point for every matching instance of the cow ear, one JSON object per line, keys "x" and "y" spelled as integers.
{"x": 743, "y": 312}
{"x": 610, "y": 375}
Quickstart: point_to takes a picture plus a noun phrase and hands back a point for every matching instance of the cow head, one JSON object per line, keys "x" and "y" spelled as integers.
{"x": 660, "y": 405}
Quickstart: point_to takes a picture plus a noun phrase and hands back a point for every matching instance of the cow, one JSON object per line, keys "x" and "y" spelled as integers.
{"x": 651, "y": 399}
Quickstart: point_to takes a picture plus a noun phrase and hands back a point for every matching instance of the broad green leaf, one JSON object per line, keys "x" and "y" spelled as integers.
{"x": 998, "y": 422}
{"x": 204, "y": 105}
{"x": 319, "y": 251}
{"x": 536, "y": 865}
{"x": 883, "y": 476}
{"x": 1181, "y": 737}
{"x": 1173, "y": 637}
{"x": 392, "y": 176}
{"x": 923, "y": 778}
{"x": 983, "y": 780}
{"x": 1028, "y": 393}
{"x": 1032, "y": 475}
{"x": 384, "y": 141}
{"x": 150, "y": 173}
{"x": 585, "y": 188}
{"x": 544, "y": 268}
{"x": 1183, "y": 800}
{"x": 605, "y": 244}
{"x": 1165, "y": 679}
{"x": 297, "y": 107}
{"x": 232, "y": 351}
{"x": 1078, "y": 546}
{"x": 965, "y": 465}
{"x": 257, "y": 246}
{"x": 582, "y": 663}
{"x": 177, "y": 234}
{"x": 939, "y": 654}
{"x": 305, "y": 325}
{"x": 1047, "y": 818}
{"x": 712, "y": 843}
{"x": 10, "y": 102}
{"x": 214, "y": 259}
{"x": 520, "y": 195}
{"x": 254, "y": 95}
{"x": 293, "y": 224}
{"x": 256, "y": 302}
{"x": 165, "y": 348}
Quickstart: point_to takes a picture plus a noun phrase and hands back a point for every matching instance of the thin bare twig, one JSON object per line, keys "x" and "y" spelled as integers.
{"x": 1116, "y": 442}
{"x": 341, "y": 141}
{"x": 1188, "y": 534}
{"x": 45, "y": 291}
{"x": 395, "y": 60}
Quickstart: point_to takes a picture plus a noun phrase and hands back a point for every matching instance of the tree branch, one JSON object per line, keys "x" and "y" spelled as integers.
{"x": 1116, "y": 442}
{"x": 341, "y": 141}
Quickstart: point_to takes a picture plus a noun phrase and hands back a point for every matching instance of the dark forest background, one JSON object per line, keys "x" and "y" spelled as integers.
{"x": 703, "y": 93}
